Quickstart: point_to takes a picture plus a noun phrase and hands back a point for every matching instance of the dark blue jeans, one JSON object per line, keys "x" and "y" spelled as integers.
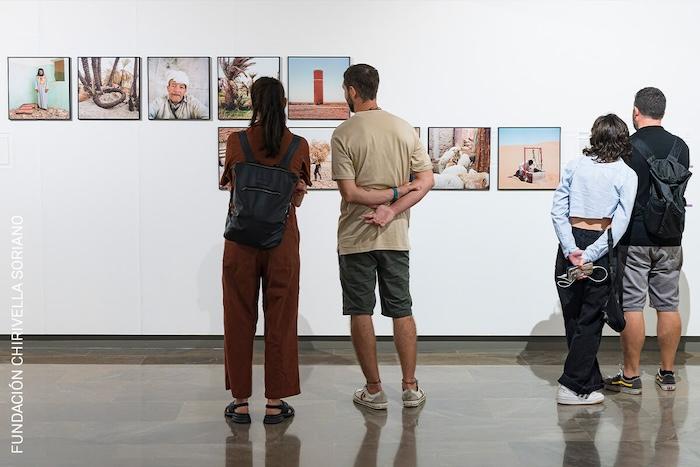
{"x": 582, "y": 305}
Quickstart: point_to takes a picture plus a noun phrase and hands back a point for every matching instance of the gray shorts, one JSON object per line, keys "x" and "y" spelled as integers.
{"x": 654, "y": 270}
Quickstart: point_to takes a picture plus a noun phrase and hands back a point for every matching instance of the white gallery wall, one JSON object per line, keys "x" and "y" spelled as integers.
{"x": 123, "y": 220}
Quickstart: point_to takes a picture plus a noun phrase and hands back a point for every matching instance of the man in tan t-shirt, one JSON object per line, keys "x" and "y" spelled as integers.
{"x": 373, "y": 155}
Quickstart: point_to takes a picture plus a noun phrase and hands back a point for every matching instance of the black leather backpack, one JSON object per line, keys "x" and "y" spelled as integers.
{"x": 260, "y": 199}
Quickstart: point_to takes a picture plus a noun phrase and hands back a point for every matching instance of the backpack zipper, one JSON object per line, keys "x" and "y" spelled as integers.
{"x": 264, "y": 190}
{"x": 273, "y": 167}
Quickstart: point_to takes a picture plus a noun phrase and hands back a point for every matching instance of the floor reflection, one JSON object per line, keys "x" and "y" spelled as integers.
{"x": 482, "y": 415}
{"x": 648, "y": 431}
{"x": 375, "y": 420}
{"x": 281, "y": 449}
{"x": 239, "y": 447}
{"x": 580, "y": 453}
{"x": 636, "y": 447}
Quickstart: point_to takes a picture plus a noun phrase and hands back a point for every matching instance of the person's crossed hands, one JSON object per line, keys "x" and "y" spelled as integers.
{"x": 381, "y": 216}
{"x": 576, "y": 258}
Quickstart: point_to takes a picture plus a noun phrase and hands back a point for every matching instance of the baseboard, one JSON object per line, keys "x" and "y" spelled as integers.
{"x": 327, "y": 338}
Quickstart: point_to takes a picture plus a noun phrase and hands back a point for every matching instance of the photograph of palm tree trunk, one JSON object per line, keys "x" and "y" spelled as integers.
{"x": 235, "y": 79}
{"x": 109, "y": 88}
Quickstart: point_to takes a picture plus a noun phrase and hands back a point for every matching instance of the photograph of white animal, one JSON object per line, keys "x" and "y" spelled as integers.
{"x": 461, "y": 157}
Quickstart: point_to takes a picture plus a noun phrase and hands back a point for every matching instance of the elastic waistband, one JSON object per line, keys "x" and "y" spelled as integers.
{"x": 587, "y": 231}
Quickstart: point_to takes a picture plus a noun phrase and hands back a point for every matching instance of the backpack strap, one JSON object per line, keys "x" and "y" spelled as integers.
{"x": 648, "y": 156}
{"x": 643, "y": 149}
{"x": 612, "y": 259}
{"x": 290, "y": 152}
{"x": 245, "y": 145}
{"x": 675, "y": 150}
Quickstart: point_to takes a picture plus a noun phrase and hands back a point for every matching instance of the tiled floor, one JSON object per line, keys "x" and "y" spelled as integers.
{"x": 496, "y": 409}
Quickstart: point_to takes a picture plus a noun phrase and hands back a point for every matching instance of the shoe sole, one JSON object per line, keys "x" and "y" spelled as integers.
{"x": 623, "y": 389}
{"x": 275, "y": 419}
{"x": 579, "y": 402}
{"x": 415, "y": 403}
{"x": 666, "y": 387}
{"x": 371, "y": 405}
{"x": 240, "y": 418}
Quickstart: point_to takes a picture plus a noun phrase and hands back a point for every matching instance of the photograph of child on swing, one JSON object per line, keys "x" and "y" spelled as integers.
{"x": 529, "y": 158}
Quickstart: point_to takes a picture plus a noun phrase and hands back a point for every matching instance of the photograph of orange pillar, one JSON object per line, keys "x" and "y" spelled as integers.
{"x": 318, "y": 87}
{"x": 315, "y": 87}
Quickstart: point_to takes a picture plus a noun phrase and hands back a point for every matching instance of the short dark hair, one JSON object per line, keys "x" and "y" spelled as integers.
{"x": 651, "y": 102}
{"x": 610, "y": 139}
{"x": 364, "y": 78}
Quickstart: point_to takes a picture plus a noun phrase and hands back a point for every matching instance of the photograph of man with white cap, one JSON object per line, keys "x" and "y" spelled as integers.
{"x": 186, "y": 85}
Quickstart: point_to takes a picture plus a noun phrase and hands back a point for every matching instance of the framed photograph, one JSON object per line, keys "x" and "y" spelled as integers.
{"x": 461, "y": 157}
{"x": 179, "y": 88}
{"x": 38, "y": 88}
{"x": 223, "y": 134}
{"x": 109, "y": 88}
{"x": 529, "y": 158}
{"x": 315, "y": 88}
{"x": 235, "y": 79}
{"x": 320, "y": 154}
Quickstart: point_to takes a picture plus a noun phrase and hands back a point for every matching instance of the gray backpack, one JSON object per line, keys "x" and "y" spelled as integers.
{"x": 664, "y": 213}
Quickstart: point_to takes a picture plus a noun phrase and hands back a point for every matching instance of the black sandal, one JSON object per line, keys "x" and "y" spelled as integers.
{"x": 230, "y": 412}
{"x": 287, "y": 411}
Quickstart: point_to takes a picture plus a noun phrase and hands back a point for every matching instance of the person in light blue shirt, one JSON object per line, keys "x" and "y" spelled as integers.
{"x": 596, "y": 193}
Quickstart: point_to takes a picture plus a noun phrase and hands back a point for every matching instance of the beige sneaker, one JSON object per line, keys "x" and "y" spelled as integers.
{"x": 413, "y": 398}
{"x": 376, "y": 401}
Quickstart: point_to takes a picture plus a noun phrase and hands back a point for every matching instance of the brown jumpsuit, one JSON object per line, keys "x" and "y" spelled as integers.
{"x": 244, "y": 268}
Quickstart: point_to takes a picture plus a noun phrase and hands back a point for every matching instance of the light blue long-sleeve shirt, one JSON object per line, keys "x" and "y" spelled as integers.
{"x": 593, "y": 190}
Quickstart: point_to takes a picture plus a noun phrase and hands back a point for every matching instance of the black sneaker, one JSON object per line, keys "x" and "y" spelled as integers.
{"x": 619, "y": 383}
{"x": 666, "y": 382}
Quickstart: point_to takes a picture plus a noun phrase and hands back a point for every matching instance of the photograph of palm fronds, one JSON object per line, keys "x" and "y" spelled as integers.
{"x": 235, "y": 79}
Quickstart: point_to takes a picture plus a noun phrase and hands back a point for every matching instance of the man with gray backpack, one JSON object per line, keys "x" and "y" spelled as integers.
{"x": 651, "y": 251}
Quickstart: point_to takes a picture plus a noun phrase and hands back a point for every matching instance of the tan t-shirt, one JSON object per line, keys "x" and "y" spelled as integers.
{"x": 378, "y": 150}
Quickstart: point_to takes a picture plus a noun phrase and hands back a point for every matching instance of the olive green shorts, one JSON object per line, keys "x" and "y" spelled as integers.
{"x": 358, "y": 277}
